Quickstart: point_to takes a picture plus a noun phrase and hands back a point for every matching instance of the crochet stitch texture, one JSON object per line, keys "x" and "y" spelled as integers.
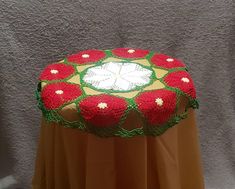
{"x": 99, "y": 91}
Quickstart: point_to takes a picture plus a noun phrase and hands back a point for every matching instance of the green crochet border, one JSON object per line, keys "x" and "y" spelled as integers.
{"x": 118, "y": 130}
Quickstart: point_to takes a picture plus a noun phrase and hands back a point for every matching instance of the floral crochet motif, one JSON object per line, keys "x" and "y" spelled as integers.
{"x": 130, "y": 53}
{"x": 183, "y": 81}
{"x": 56, "y": 94}
{"x": 157, "y": 106}
{"x": 102, "y": 90}
{"x": 87, "y": 56}
{"x": 56, "y": 72}
{"x": 166, "y": 61}
{"x": 103, "y": 110}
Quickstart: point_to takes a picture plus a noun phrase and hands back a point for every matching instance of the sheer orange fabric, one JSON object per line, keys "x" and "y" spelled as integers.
{"x": 70, "y": 159}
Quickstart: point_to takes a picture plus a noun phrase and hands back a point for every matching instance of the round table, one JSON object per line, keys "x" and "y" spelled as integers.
{"x": 116, "y": 119}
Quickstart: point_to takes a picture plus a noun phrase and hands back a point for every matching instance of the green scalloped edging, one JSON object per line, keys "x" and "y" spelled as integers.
{"x": 52, "y": 116}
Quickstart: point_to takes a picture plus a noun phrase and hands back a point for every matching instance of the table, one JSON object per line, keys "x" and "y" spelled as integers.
{"x": 121, "y": 118}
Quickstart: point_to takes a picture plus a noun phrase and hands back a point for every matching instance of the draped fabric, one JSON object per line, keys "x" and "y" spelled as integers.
{"x": 71, "y": 159}
{"x": 35, "y": 33}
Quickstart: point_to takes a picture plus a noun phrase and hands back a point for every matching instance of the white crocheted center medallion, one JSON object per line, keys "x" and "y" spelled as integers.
{"x": 118, "y": 76}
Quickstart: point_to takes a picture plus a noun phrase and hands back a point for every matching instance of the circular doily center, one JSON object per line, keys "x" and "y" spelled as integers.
{"x": 118, "y": 76}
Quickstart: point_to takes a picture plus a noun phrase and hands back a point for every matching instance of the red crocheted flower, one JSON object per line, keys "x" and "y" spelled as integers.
{"x": 165, "y": 61}
{"x": 103, "y": 110}
{"x": 56, "y": 94}
{"x": 56, "y": 72}
{"x": 87, "y": 56}
{"x": 157, "y": 106}
{"x": 130, "y": 53}
{"x": 181, "y": 80}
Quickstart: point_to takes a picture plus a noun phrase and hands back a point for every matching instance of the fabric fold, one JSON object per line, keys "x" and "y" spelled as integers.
{"x": 71, "y": 159}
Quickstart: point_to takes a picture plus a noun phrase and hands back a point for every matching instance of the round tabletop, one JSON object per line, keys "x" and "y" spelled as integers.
{"x": 121, "y": 92}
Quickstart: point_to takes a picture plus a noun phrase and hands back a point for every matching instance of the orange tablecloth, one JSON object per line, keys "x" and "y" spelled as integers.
{"x": 71, "y": 159}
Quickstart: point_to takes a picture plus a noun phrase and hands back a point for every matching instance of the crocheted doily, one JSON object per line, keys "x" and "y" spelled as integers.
{"x": 121, "y": 92}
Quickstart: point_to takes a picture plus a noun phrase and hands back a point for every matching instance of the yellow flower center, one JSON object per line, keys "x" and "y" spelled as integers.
{"x": 159, "y": 101}
{"x": 102, "y": 105}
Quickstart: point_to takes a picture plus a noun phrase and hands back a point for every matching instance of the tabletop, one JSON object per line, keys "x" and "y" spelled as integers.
{"x": 120, "y": 92}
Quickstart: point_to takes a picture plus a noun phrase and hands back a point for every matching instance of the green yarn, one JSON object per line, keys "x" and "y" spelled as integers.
{"x": 117, "y": 130}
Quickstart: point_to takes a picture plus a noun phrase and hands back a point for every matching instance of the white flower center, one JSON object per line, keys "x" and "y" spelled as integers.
{"x": 185, "y": 79}
{"x": 102, "y": 105}
{"x": 59, "y": 92}
{"x": 85, "y": 56}
{"x": 131, "y": 51}
{"x": 118, "y": 76}
{"x": 169, "y": 59}
{"x": 159, "y": 101}
{"x": 54, "y": 71}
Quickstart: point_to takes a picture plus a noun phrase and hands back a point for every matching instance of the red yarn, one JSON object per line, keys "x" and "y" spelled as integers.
{"x": 154, "y": 113}
{"x": 56, "y": 94}
{"x": 108, "y": 114}
{"x": 174, "y": 79}
{"x": 93, "y": 56}
{"x": 161, "y": 60}
{"x": 56, "y": 72}
{"x": 136, "y": 53}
